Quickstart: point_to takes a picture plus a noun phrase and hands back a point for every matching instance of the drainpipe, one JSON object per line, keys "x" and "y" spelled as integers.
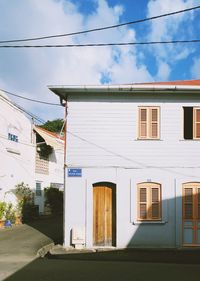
{"x": 64, "y": 168}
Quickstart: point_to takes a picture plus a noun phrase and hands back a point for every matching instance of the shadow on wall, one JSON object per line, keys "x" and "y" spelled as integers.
{"x": 170, "y": 223}
{"x": 155, "y": 223}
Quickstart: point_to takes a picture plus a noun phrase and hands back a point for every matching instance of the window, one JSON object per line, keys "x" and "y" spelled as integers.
{"x": 149, "y": 201}
{"x": 191, "y": 201}
{"x": 149, "y": 122}
{"x": 12, "y": 137}
{"x": 38, "y": 191}
{"x": 191, "y": 122}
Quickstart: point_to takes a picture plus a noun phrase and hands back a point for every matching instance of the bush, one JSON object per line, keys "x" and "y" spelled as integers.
{"x": 25, "y": 208}
{"x": 54, "y": 197}
{"x": 2, "y": 210}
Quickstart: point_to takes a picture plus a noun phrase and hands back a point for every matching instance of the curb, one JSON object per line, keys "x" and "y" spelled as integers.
{"x": 44, "y": 250}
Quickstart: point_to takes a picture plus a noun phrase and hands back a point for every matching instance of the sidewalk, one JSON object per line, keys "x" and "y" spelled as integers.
{"x": 19, "y": 245}
{"x": 176, "y": 256}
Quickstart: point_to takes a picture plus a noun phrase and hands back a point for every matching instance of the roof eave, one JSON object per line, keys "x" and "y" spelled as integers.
{"x": 63, "y": 91}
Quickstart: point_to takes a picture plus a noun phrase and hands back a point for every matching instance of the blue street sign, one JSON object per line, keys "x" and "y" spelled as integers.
{"x": 74, "y": 172}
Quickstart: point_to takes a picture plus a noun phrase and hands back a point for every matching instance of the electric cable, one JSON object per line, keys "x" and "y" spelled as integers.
{"x": 102, "y": 44}
{"x": 102, "y": 28}
{"x": 33, "y": 100}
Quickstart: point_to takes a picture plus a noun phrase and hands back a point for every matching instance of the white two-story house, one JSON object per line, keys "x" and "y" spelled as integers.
{"x": 132, "y": 164}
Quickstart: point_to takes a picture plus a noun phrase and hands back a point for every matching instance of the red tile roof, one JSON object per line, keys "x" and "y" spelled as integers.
{"x": 173, "y": 83}
{"x": 50, "y": 133}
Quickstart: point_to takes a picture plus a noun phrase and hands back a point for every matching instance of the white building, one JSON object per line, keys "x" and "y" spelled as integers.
{"x": 133, "y": 177}
{"x": 20, "y": 142}
{"x": 17, "y": 149}
{"x": 48, "y": 168}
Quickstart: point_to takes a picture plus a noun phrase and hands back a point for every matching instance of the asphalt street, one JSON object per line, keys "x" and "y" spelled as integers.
{"x": 75, "y": 270}
{"x": 19, "y": 246}
{"x": 18, "y": 261}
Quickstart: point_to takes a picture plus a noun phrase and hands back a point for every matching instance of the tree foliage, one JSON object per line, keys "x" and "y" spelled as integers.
{"x": 53, "y": 125}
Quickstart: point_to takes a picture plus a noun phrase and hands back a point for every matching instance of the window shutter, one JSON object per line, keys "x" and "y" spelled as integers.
{"x": 154, "y": 123}
{"x": 155, "y": 204}
{"x": 143, "y": 203}
{"x": 149, "y": 201}
{"x": 188, "y": 203}
{"x": 198, "y": 198}
{"x": 197, "y": 122}
{"x": 188, "y": 123}
{"x": 143, "y": 123}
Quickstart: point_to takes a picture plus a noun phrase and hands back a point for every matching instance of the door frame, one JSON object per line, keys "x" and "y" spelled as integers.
{"x": 195, "y": 220}
{"x": 114, "y": 210}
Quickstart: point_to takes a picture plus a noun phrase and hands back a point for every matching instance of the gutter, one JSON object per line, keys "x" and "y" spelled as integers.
{"x": 121, "y": 88}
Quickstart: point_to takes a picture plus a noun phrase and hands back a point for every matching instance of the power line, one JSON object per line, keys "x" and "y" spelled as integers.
{"x": 33, "y": 100}
{"x": 41, "y": 121}
{"x": 101, "y": 28}
{"x": 102, "y": 45}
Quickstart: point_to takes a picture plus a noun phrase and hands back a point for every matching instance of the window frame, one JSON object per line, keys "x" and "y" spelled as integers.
{"x": 194, "y": 108}
{"x": 195, "y": 186}
{"x": 38, "y": 190}
{"x": 194, "y": 122}
{"x": 148, "y": 123}
{"x": 149, "y": 186}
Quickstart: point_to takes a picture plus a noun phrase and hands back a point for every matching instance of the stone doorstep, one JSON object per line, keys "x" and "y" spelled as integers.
{"x": 59, "y": 249}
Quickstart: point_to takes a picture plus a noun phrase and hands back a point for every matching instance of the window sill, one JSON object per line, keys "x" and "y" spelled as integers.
{"x": 148, "y": 222}
{"x": 148, "y": 140}
{"x": 190, "y": 140}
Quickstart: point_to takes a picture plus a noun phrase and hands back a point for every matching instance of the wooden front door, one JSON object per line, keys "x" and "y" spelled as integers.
{"x": 103, "y": 216}
{"x": 191, "y": 214}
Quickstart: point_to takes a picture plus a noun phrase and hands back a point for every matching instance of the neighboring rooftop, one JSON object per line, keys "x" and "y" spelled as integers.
{"x": 51, "y": 134}
{"x": 177, "y": 82}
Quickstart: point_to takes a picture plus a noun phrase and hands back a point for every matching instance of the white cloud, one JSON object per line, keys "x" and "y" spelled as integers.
{"x": 29, "y": 71}
{"x": 195, "y": 69}
{"x": 163, "y": 71}
{"x": 169, "y": 28}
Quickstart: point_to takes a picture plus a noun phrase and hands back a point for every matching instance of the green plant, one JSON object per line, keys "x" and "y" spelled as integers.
{"x": 45, "y": 150}
{"x": 10, "y": 213}
{"x": 23, "y": 192}
{"x": 54, "y": 197}
{"x": 25, "y": 199}
{"x": 2, "y": 210}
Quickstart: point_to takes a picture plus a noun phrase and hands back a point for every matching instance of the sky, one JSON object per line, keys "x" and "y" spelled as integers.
{"x": 28, "y": 72}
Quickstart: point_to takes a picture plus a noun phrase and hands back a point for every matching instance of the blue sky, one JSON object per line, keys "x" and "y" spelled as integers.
{"x": 28, "y": 71}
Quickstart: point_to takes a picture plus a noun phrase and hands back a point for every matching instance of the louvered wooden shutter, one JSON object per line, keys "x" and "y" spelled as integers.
{"x": 155, "y": 203}
{"x": 188, "y": 203}
{"x": 143, "y": 203}
{"x": 153, "y": 123}
{"x": 198, "y": 198}
{"x": 143, "y": 123}
{"x": 197, "y": 123}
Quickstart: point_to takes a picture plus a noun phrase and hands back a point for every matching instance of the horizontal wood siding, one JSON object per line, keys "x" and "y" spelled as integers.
{"x": 105, "y": 133}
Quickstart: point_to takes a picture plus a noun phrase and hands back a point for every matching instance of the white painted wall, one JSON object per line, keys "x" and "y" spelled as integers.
{"x": 102, "y": 140}
{"x": 17, "y": 159}
{"x": 56, "y": 175}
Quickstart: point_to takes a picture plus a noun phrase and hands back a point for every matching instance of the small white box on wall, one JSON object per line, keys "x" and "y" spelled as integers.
{"x": 78, "y": 236}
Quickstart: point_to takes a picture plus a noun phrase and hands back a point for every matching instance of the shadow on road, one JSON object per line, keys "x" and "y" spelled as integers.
{"x": 113, "y": 266}
{"x": 186, "y": 256}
